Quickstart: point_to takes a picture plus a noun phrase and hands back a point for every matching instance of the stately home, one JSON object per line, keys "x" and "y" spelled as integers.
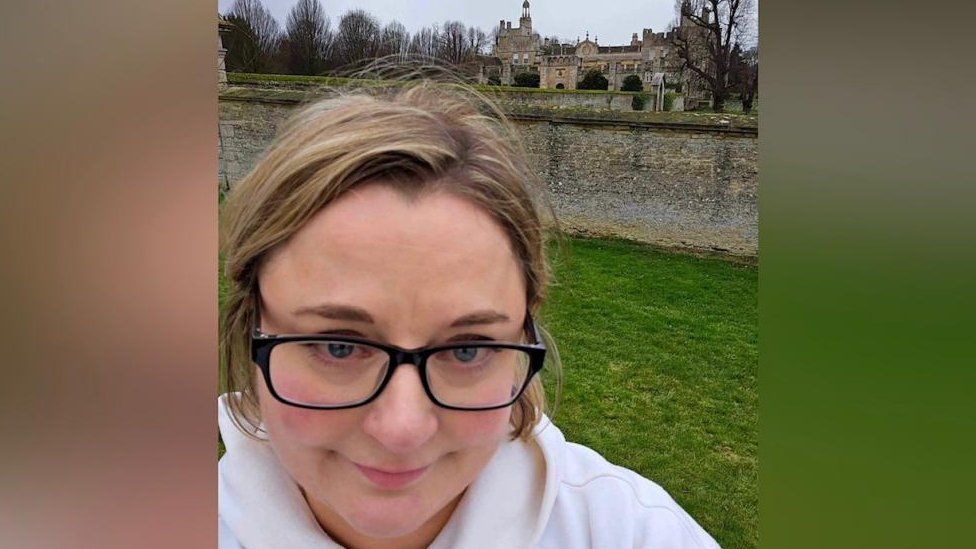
{"x": 561, "y": 66}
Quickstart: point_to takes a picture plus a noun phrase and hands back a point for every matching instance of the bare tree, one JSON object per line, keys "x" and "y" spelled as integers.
{"x": 307, "y": 38}
{"x": 707, "y": 32}
{"x": 394, "y": 40}
{"x": 357, "y": 38}
{"x": 745, "y": 75}
{"x": 478, "y": 43}
{"x": 254, "y": 39}
{"x": 493, "y": 38}
{"x": 425, "y": 42}
{"x": 453, "y": 44}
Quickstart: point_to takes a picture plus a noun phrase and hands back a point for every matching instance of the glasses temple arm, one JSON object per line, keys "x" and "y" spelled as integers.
{"x": 531, "y": 329}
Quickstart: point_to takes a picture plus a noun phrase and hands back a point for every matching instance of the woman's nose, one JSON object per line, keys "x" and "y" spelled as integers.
{"x": 402, "y": 418}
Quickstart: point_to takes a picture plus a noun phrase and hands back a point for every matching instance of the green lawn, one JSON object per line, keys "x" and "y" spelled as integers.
{"x": 660, "y": 358}
{"x": 296, "y": 88}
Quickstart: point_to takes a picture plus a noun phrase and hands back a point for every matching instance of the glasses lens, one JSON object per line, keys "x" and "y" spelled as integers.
{"x": 477, "y": 377}
{"x": 326, "y": 373}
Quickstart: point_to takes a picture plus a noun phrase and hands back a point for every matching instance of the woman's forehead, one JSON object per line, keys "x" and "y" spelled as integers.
{"x": 375, "y": 242}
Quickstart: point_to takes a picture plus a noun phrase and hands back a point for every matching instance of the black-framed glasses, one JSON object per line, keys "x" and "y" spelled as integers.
{"x": 331, "y": 372}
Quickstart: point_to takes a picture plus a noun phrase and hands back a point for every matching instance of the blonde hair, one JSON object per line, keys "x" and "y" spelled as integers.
{"x": 419, "y": 136}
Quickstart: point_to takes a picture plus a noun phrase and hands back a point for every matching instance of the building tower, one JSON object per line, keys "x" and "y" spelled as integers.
{"x": 525, "y": 21}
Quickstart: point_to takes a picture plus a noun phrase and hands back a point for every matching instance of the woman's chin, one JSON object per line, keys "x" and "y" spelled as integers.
{"x": 388, "y": 518}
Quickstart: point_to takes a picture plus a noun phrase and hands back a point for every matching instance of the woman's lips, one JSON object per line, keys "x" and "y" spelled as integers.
{"x": 390, "y": 480}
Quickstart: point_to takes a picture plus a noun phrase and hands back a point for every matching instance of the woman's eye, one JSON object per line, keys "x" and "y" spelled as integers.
{"x": 340, "y": 350}
{"x": 466, "y": 354}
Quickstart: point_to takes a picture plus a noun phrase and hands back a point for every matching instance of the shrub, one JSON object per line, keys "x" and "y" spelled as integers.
{"x": 669, "y": 100}
{"x": 632, "y": 84}
{"x": 494, "y": 80}
{"x": 593, "y": 80}
{"x": 527, "y": 80}
{"x": 639, "y": 101}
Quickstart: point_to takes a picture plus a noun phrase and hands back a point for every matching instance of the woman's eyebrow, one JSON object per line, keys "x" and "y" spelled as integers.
{"x": 480, "y": 317}
{"x": 357, "y": 314}
{"x": 336, "y": 312}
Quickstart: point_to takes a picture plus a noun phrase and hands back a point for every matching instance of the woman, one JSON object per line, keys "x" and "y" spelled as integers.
{"x": 385, "y": 262}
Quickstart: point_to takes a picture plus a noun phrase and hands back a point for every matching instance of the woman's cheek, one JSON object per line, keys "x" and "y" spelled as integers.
{"x": 306, "y": 427}
{"x": 487, "y": 426}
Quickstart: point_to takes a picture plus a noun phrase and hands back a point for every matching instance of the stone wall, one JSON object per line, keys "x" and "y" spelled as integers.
{"x": 245, "y": 128}
{"x": 561, "y": 100}
{"x": 676, "y": 189}
{"x": 689, "y": 187}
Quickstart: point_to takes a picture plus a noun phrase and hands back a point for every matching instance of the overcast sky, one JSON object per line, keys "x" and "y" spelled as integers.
{"x": 612, "y": 21}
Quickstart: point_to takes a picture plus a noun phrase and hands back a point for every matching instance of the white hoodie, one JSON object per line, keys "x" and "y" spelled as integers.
{"x": 568, "y": 497}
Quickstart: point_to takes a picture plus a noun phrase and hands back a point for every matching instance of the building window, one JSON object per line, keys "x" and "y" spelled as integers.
{"x": 525, "y": 58}
{"x": 515, "y": 59}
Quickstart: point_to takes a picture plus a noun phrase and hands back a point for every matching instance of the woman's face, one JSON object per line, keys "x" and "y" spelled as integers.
{"x": 399, "y": 270}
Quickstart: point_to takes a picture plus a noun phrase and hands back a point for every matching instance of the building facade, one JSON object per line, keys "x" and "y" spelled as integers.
{"x": 651, "y": 56}
{"x": 518, "y": 49}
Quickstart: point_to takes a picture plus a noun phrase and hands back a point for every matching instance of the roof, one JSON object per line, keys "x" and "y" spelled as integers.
{"x": 618, "y": 49}
{"x": 561, "y": 49}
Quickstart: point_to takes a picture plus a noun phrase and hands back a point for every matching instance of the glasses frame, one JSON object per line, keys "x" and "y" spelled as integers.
{"x": 263, "y": 343}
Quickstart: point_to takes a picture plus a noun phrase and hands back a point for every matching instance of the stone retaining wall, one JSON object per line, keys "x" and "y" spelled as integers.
{"x": 602, "y": 101}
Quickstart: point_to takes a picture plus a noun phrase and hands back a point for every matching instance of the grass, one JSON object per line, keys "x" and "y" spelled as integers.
{"x": 660, "y": 360}
{"x": 297, "y": 88}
